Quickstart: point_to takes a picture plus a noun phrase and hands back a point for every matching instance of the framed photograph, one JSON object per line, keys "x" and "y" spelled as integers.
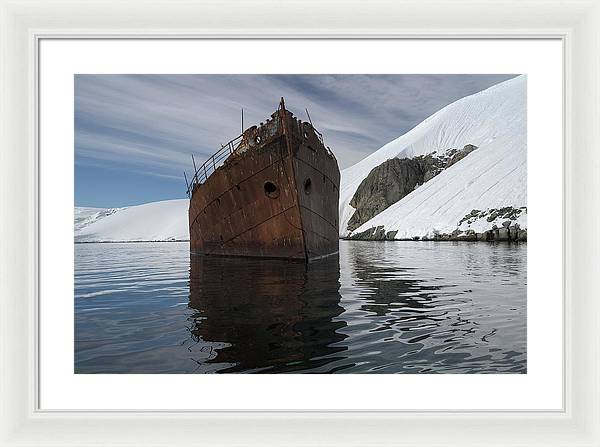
{"x": 300, "y": 224}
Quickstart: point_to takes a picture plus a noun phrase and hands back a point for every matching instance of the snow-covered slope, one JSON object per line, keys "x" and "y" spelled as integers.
{"x": 85, "y": 216}
{"x": 157, "y": 221}
{"x": 493, "y": 176}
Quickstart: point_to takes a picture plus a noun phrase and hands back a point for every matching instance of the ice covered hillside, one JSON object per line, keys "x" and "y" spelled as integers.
{"x": 85, "y": 216}
{"x": 481, "y": 190}
{"x": 157, "y": 221}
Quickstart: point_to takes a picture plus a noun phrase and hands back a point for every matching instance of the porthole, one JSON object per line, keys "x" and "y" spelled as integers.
{"x": 306, "y": 134}
{"x": 258, "y": 139}
{"x": 271, "y": 190}
{"x": 307, "y": 186}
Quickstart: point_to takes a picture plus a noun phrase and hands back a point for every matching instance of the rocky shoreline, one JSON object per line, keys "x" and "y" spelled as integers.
{"x": 492, "y": 225}
{"x": 497, "y": 235}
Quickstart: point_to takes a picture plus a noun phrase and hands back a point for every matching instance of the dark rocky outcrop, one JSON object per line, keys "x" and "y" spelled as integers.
{"x": 375, "y": 234}
{"x": 397, "y": 177}
{"x": 387, "y": 183}
{"x": 508, "y": 213}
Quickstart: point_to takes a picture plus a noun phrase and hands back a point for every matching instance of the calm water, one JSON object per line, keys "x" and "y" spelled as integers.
{"x": 382, "y": 307}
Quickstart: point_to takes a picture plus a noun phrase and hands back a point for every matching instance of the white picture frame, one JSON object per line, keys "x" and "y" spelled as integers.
{"x": 23, "y": 24}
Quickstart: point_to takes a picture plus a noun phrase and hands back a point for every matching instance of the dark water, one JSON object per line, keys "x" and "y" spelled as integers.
{"x": 381, "y": 307}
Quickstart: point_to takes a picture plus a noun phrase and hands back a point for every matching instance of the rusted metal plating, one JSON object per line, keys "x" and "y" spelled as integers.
{"x": 271, "y": 192}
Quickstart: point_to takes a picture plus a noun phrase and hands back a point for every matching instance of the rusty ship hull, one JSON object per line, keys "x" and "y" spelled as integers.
{"x": 275, "y": 195}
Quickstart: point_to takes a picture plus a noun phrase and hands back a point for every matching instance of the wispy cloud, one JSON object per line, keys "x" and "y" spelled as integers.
{"x": 153, "y": 123}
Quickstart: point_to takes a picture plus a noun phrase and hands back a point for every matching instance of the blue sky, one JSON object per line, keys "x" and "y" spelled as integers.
{"x": 134, "y": 134}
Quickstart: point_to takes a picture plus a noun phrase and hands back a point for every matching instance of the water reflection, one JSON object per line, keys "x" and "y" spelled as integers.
{"x": 382, "y": 307}
{"x": 266, "y": 315}
{"x": 439, "y": 307}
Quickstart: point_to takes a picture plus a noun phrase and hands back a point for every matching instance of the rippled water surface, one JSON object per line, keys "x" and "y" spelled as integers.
{"x": 381, "y": 307}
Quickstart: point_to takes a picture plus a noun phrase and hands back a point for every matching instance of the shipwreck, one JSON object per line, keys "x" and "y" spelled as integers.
{"x": 271, "y": 192}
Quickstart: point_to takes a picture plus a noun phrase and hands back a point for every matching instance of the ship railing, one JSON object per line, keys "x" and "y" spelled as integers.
{"x": 205, "y": 170}
{"x": 216, "y": 160}
{"x": 320, "y": 137}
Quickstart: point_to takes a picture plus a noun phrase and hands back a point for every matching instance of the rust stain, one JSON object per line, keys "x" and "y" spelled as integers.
{"x": 271, "y": 192}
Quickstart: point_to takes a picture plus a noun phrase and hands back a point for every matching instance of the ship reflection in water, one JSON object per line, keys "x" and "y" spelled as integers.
{"x": 381, "y": 307}
{"x": 266, "y": 315}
